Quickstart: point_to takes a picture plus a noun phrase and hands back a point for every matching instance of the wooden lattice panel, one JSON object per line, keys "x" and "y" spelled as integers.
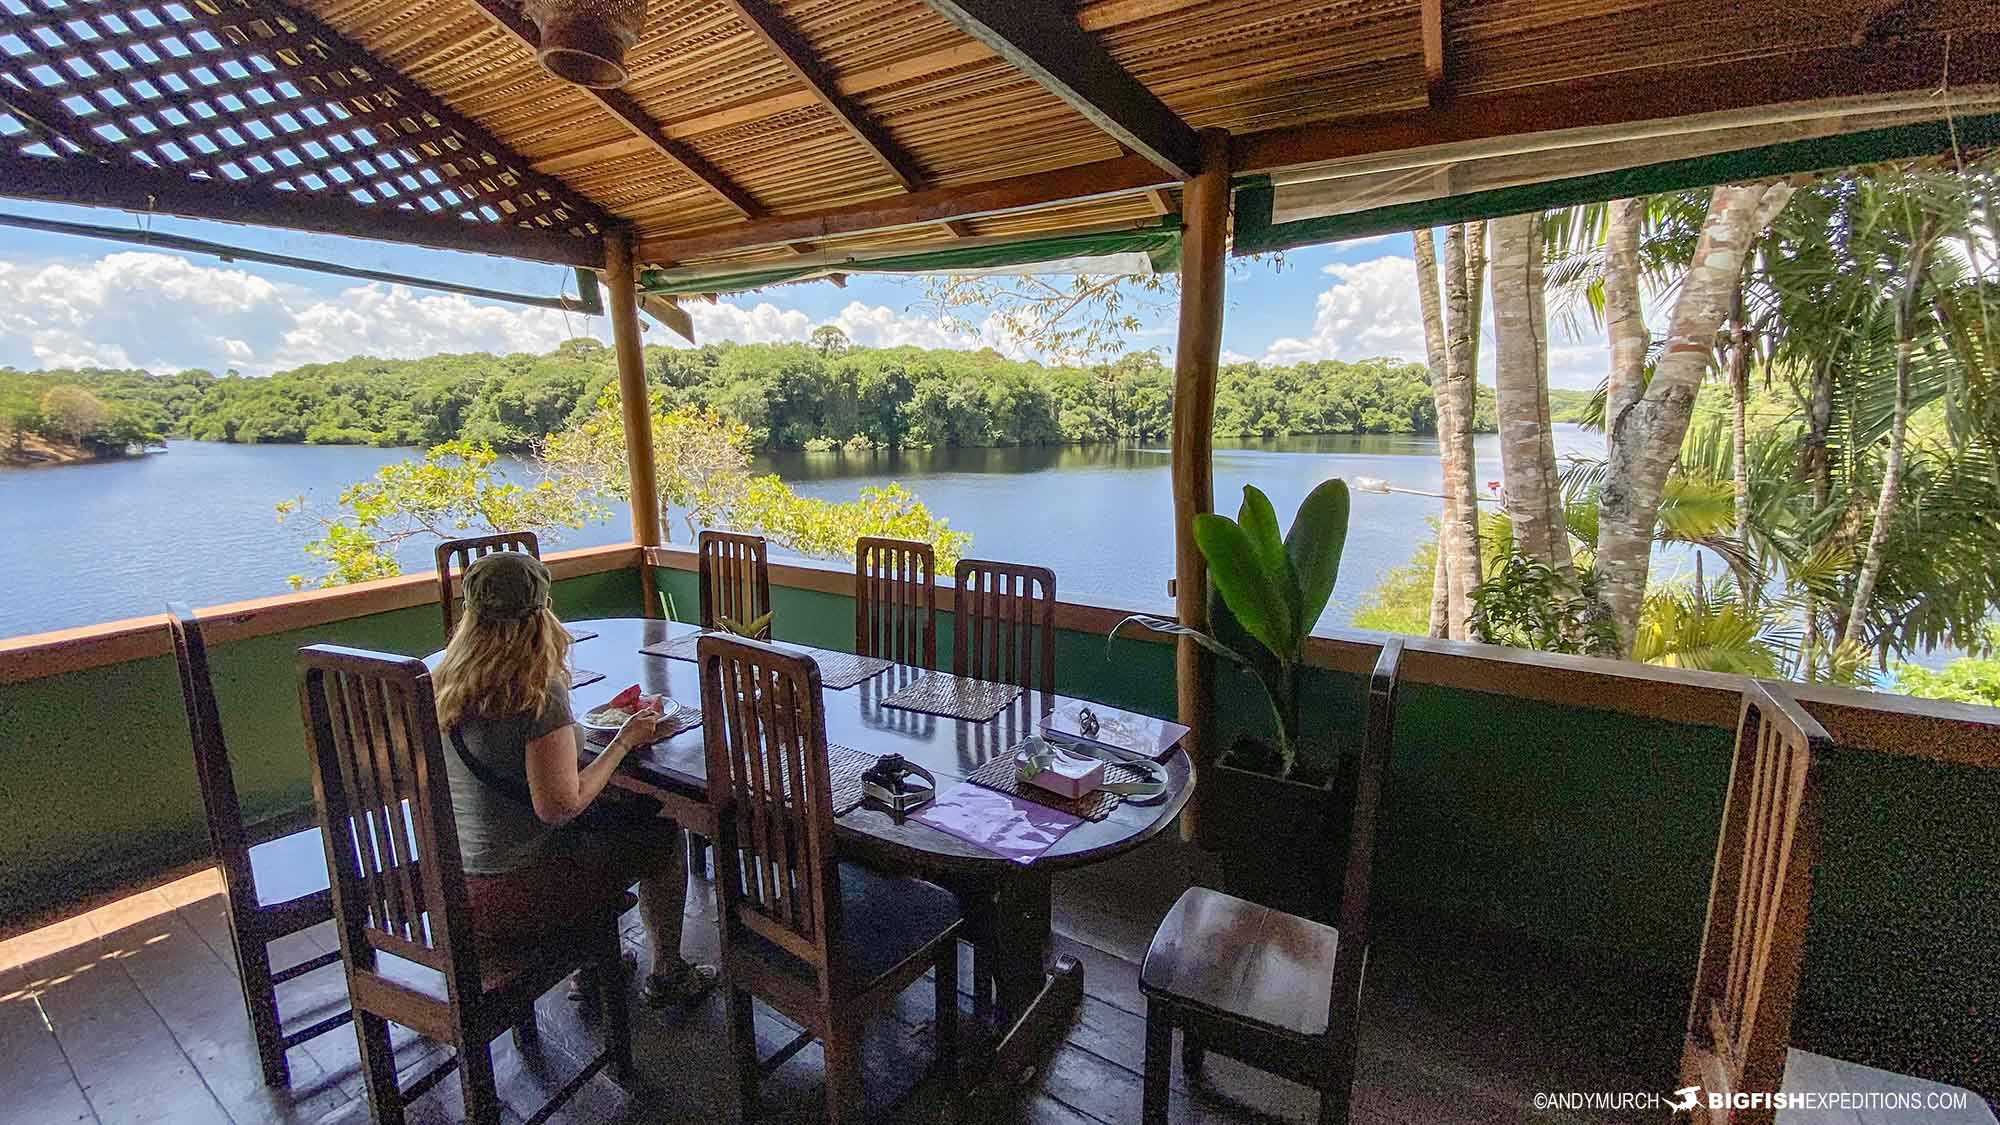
{"x": 253, "y": 93}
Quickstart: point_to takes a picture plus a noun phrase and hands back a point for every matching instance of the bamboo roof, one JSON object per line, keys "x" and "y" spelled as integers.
{"x": 755, "y": 130}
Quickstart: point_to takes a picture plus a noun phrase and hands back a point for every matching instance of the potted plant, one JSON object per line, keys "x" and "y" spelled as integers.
{"x": 1272, "y": 802}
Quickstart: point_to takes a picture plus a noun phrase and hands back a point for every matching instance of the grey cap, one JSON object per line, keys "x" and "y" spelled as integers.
{"x": 506, "y": 586}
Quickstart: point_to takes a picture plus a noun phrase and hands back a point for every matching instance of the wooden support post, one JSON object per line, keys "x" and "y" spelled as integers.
{"x": 634, "y": 402}
{"x": 1204, "y": 264}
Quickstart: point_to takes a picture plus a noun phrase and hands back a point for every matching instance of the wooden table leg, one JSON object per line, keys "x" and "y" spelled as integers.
{"x": 1023, "y": 914}
{"x": 1039, "y": 1005}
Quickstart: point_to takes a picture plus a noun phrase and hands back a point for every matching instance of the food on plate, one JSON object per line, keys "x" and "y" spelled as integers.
{"x": 622, "y": 707}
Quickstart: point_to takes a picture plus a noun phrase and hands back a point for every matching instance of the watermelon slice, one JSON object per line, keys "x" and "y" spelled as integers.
{"x": 627, "y": 700}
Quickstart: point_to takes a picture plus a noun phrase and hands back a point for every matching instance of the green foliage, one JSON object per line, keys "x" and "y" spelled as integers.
{"x": 1968, "y": 679}
{"x": 60, "y": 408}
{"x": 1529, "y": 604}
{"x": 453, "y": 490}
{"x": 788, "y": 396}
{"x": 1274, "y": 591}
{"x": 1401, "y": 601}
{"x": 1685, "y": 627}
{"x": 828, "y": 529}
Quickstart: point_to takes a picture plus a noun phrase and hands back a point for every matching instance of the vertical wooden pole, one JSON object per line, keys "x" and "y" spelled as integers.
{"x": 635, "y": 404}
{"x": 1204, "y": 264}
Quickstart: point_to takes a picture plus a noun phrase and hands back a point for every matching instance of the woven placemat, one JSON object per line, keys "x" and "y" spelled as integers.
{"x": 844, "y": 767}
{"x": 954, "y": 697}
{"x": 842, "y": 670}
{"x": 680, "y": 648}
{"x": 582, "y": 677}
{"x": 1003, "y": 775}
{"x": 837, "y": 670}
{"x": 576, "y": 635}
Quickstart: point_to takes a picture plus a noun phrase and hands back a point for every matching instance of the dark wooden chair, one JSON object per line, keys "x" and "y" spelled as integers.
{"x": 454, "y": 555}
{"x": 274, "y": 888}
{"x": 895, "y": 601}
{"x": 735, "y": 578}
{"x": 1004, "y": 624}
{"x": 1740, "y": 1019}
{"x": 1271, "y": 989}
{"x": 399, "y": 892}
{"x": 824, "y": 942}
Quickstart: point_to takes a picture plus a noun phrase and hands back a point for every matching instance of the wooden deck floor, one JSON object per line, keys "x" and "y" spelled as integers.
{"x": 131, "y": 1013}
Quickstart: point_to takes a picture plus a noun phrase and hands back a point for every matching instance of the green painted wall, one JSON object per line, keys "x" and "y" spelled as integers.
{"x": 97, "y": 785}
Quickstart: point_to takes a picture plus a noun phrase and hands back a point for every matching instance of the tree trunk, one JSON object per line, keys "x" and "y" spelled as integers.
{"x": 1899, "y": 427}
{"x": 1458, "y": 540}
{"x": 1739, "y": 446}
{"x": 1434, "y": 352}
{"x": 1624, "y": 317}
{"x": 1440, "y": 625}
{"x": 1646, "y": 436}
{"x": 1521, "y": 382}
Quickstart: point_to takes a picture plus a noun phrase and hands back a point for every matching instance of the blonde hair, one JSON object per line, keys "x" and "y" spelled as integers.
{"x": 500, "y": 668}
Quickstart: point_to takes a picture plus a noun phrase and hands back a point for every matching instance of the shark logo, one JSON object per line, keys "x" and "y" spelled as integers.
{"x": 1689, "y": 1098}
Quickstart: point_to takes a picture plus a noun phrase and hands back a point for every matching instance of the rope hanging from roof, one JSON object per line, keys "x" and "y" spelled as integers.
{"x": 584, "y": 41}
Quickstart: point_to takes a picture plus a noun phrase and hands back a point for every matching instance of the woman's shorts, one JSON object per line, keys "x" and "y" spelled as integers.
{"x": 577, "y": 875}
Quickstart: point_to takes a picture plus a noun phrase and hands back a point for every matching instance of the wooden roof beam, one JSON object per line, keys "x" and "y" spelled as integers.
{"x": 1044, "y": 41}
{"x": 129, "y": 186}
{"x": 1437, "y": 79}
{"x": 1911, "y": 63}
{"x": 622, "y": 106}
{"x": 1118, "y": 176}
{"x": 778, "y": 34}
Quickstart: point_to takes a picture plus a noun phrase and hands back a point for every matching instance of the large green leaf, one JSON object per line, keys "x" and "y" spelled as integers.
{"x": 1318, "y": 535}
{"x": 1259, "y": 521}
{"x": 1237, "y": 572}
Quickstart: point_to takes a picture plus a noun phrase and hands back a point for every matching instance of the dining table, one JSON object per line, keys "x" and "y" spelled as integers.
{"x": 1034, "y": 1003}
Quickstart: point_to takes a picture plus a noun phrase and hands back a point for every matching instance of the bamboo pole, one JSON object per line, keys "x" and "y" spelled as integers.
{"x": 1204, "y": 265}
{"x": 633, "y": 401}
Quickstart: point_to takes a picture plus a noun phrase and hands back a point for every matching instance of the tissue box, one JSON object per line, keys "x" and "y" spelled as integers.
{"x": 1069, "y": 776}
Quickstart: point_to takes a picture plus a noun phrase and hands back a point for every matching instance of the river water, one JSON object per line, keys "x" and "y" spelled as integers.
{"x": 86, "y": 543}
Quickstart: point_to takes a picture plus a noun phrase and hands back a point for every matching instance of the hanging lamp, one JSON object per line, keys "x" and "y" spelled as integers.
{"x": 584, "y": 41}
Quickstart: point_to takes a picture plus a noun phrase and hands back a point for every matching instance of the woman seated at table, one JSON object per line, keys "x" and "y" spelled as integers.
{"x": 516, "y": 789}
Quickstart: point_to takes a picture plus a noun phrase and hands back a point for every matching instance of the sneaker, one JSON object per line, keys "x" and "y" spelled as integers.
{"x": 582, "y": 990}
{"x": 681, "y": 988}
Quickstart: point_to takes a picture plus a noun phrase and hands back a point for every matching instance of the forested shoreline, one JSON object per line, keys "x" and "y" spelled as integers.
{"x": 790, "y": 396}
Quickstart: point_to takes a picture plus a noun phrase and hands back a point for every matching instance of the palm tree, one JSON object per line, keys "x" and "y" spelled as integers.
{"x": 1451, "y": 338}
{"x": 1521, "y": 385}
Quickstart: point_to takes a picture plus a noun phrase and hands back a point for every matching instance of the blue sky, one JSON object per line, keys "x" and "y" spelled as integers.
{"x": 68, "y": 301}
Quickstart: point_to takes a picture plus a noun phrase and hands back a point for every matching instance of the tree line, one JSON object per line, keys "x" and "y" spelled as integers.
{"x": 790, "y": 396}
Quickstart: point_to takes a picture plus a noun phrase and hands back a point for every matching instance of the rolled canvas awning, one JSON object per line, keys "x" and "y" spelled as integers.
{"x": 1153, "y": 248}
{"x": 1455, "y": 183}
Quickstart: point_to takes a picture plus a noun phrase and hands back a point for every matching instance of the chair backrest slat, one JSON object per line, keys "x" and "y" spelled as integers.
{"x": 895, "y": 601}
{"x": 765, "y": 736}
{"x": 735, "y": 578}
{"x": 454, "y": 555}
{"x": 384, "y": 798}
{"x": 1364, "y": 829}
{"x": 1004, "y": 624}
{"x": 1740, "y": 1017}
{"x": 217, "y": 781}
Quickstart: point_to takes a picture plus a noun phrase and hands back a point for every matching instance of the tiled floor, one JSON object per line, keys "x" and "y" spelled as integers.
{"x": 131, "y": 1013}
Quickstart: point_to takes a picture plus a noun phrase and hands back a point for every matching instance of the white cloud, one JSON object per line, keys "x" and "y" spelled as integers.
{"x": 878, "y": 326}
{"x": 1371, "y": 311}
{"x": 166, "y": 313}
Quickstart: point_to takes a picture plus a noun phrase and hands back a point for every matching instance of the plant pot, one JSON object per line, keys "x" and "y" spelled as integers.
{"x": 1280, "y": 843}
